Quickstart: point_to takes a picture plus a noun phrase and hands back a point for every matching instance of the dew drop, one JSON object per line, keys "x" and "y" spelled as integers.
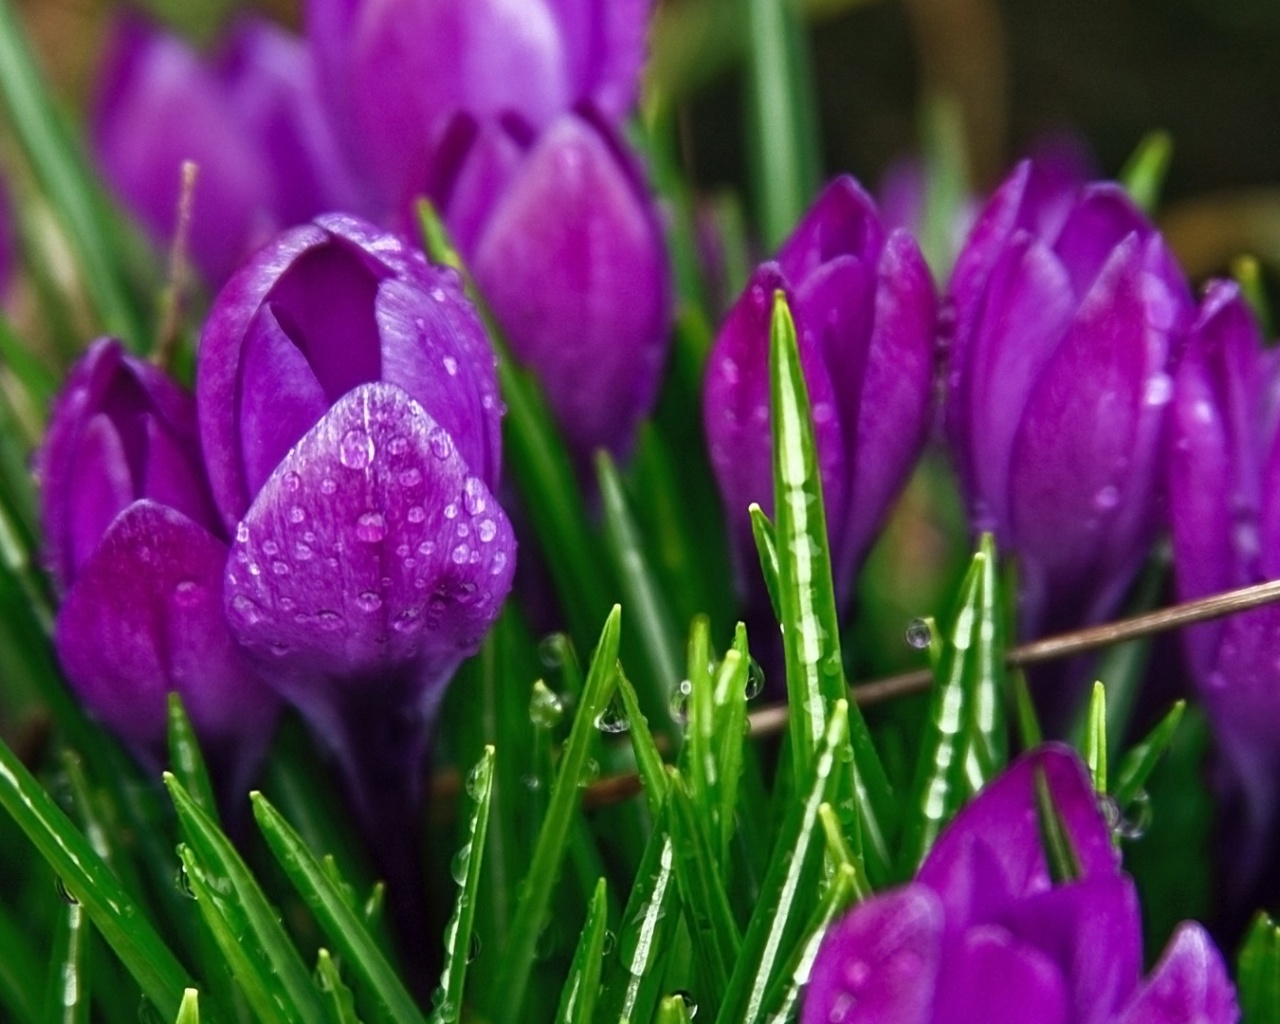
{"x": 613, "y": 719}
{"x": 473, "y": 496}
{"x": 407, "y": 621}
{"x": 487, "y": 530}
{"x": 297, "y": 514}
{"x": 327, "y": 486}
{"x": 460, "y": 554}
{"x": 499, "y": 563}
{"x": 609, "y": 944}
{"x": 287, "y": 604}
{"x": 279, "y": 649}
{"x": 242, "y": 533}
{"x": 292, "y": 482}
{"x": 302, "y": 552}
{"x": 450, "y": 366}
{"x": 280, "y": 568}
{"x": 329, "y": 620}
{"x": 440, "y": 443}
{"x": 590, "y": 772}
{"x": 475, "y": 780}
{"x": 270, "y": 547}
{"x": 410, "y": 477}
{"x": 546, "y": 709}
{"x": 246, "y": 608}
{"x": 755, "y": 679}
{"x": 182, "y": 883}
{"x": 680, "y": 701}
{"x": 464, "y": 530}
{"x": 255, "y": 569}
{"x": 355, "y": 450}
{"x": 188, "y": 593}
{"x": 371, "y": 527}
{"x": 416, "y": 514}
{"x": 458, "y": 866}
{"x": 451, "y": 510}
{"x": 369, "y": 601}
{"x": 398, "y": 445}
{"x": 919, "y": 634}
{"x": 63, "y": 891}
{"x": 1106, "y": 498}
{"x": 690, "y": 1004}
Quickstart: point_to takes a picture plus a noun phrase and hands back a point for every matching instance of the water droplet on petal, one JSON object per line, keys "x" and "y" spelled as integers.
{"x": 410, "y": 477}
{"x": 450, "y": 366}
{"x": 355, "y": 450}
{"x": 297, "y": 514}
{"x": 461, "y": 553}
{"x": 188, "y": 593}
{"x": 473, "y": 496}
{"x": 487, "y": 530}
{"x": 369, "y": 601}
{"x": 440, "y": 443}
{"x": 242, "y": 533}
{"x": 1106, "y": 498}
{"x": 398, "y": 445}
{"x": 416, "y": 514}
{"x": 371, "y": 527}
{"x": 292, "y": 481}
{"x": 329, "y": 620}
{"x": 328, "y": 486}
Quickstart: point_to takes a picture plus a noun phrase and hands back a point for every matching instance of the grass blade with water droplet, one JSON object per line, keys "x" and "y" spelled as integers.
{"x": 186, "y": 761}
{"x": 1095, "y": 739}
{"x": 333, "y": 990}
{"x": 766, "y": 538}
{"x": 1258, "y": 972}
{"x": 673, "y": 1010}
{"x": 67, "y": 992}
{"x": 507, "y": 997}
{"x": 337, "y": 920}
{"x": 457, "y": 933}
{"x": 232, "y": 894}
{"x": 578, "y": 1000}
{"x": 189, "y": 1011}
{"x": 1140, "y": 762}
{"x": 648, "y": 760}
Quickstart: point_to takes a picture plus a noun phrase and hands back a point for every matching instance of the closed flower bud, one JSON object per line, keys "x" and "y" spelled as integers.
{"x": 136, "y": 548}
{"x": 864, "y": 309}
{"x": 985, "y": 933}
{"x": 392, "y": 96}
{"x": 1065, "y": 309}
{"x": 249, "y": 118}
{"x": 563, "y": 238}
{"x": 350, "y": 417}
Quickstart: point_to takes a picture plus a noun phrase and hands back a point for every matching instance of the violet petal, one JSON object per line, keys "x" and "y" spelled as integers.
{"x": 1190, "y": 983}
{"x": 841, "y": 222}
{"x": 994, "y": 978}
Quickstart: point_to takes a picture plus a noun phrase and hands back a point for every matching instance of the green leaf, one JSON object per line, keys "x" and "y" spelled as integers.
{"x": 234, "y": 906}
{"x": 782, "y": 135}
{"x": 726, "y": 742}
{"x": 1248, "y": 274}
{"x": 647, "y": 609}
{"x": 811, "y": 625}
{"x": 189, "y": 1011}
{"x": 1064, "y": 862}
{"x": 1258, "y": 972}
{"x": 67, "y": 992}
{"x": 507, "y": 997}
{"x": 1139, "y": 763}
{"x": 338, "y": 921}
{"x": 674, "y": 1009}
{"x": 948, "y": 729}
{"x": 90, "y": 881}
{"x": 63, "y": 176}
{"x": 333, "y": 990}
{"x": 766, "y": 539}
{"x": 1144, "y": 173}
{"x": 578, "y": 1000}
{"x": 840, "y": 854}
{"x": 790, "y": 885}
{"x": 1030, "y": 734}
{"x": 646, "y": 934}
{"x": 716, "y": 940}
{"x": 987, "y": 738}
{"x": 186, "y": 760}
{"x": 469, "y": 859}
{"x": 653, "y": 773}
{"x": 1095, "y": 739}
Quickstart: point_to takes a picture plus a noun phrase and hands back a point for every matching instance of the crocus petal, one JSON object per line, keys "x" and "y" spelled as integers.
{"x": 474, "y": 164}
{"x": 841, "y": 222}
{"x": 1190, "y": 983}
{"x": 1083, "y": 452}
{"x": 1099, "y": 221}
{"x": 604, "y": 46}
{"x": 989, "y": 960}
{"x": 371, "y": 546}
{"x": 574, "y": 266}
{"x": 999, "y": 833}
{"x": 879, "y": 964}
{"x": 145, "y": 617}
{"x": 736, "y": 408}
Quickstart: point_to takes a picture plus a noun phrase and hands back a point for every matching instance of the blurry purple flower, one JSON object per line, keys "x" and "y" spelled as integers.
{"x": 864, "y": 309}
{"x": 350, "y": 417}
{"x": 138, "y": 552}
{"x": 250, "y": 118}
{"x": 395, "y": 73}
{"x": 1065, "y": 310}
{"x": 1223, "y": 477}
{"x": 984, "y": 934}
{"x": 563, "y": 238}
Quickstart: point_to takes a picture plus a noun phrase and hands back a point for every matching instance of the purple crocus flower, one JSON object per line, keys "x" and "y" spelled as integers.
{"x": 864, "y": 309}
{"x": 395, "y": 73}
{"x": 138, "y": 553}
{"x": 1223, "y": 476}
{"x": 1065, "y": 310}
{"x": 562, "y": 235}
{"x": 984, "y": 934}
{"x": 350, "y": 418}
{"x": 250, "y": 117}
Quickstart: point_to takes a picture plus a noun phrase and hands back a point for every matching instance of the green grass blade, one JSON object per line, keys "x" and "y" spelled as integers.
{"x": 64, "y": 178}
{"x": 1095, "y": 739}
{"x": 766, "y": 539}
{"x": 674, "y": 1009}
{"x": 716, "y": 940}
{"x": 840, "y": 853}
{"x": 1143, "y": 174}
{"x": 67, "y": 992}
{"x": 1138, "y": 764}
{"x": 189, "y": 1011}
{"x": 1064, "y": 862}
{"x": 647, "y": 609}
{"x": 186, "y": 760}
{"x": 987, "y": 749}
{"x": 88, "y": 879}
{"x": 338, "y": 999}
{"x": 578, "y": 1000}
{"x": 339, "y": 922}
{"x": 939, "y": 790}
{"x": 788, "y": 893}
{"x": 236, "y": 897}
{"x": 1247, "y": 272}
{"x": 39, "y": 383}
{"x": 727, "y": 741}
{"x": 1258, "y": 972}
{"x": 698, "y": 757}
{"x": 811, "y": 624}
{"x": 469, "y": 859}
{"x": 649, "y": 762}
{"x": 20, "y": 971}
{"x": 507, "y": 996}
{"x": 646, "y": 935}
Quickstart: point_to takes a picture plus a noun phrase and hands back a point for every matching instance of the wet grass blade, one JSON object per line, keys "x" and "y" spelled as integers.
{"x": 840, "y": 853}
{"x": 716, "y": 940}
{"x": 1143, "y": 174}
{"x": 578, "y": 1000}
{"x": 186, "y": 761}
{"x": 766, "y": 538}
{"x": 338, "y": 921}
{"x": 648, "y": 759}
{"x": 507, "y": 997}
{"x": 1141, "y": 761}
{"x": 811, "y": 624}
{"x": 727, "y": 742}
{"x": 333, "y": 990}
{"x": 1258, "y": 972}
{"x": 67, "y": 993}
{"x": 88, "y": 879}
{"x": 469, "y": 859}
{"x": 233, "y": 894}
{"x": 787, "y": 895}
{"x": 673, "y": 1010}
{"x": 189, "y": 1011}
{"x": 987, "y": 750}
{"x": 1095, "y": 739}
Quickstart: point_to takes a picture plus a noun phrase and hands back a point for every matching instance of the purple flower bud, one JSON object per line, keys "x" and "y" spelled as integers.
{"x": 250, "y": 118}
{"x": 1223, "y": 477}
{"x": 562, "y": 236}
{"x": 1066, "y": 309}
{"x": 864, "y": 310}
{"x": 983, "y": 933}
{"x": 134, "y": 543}
{"x": 392, "y": 96}
{"x": 350, "y": 416}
